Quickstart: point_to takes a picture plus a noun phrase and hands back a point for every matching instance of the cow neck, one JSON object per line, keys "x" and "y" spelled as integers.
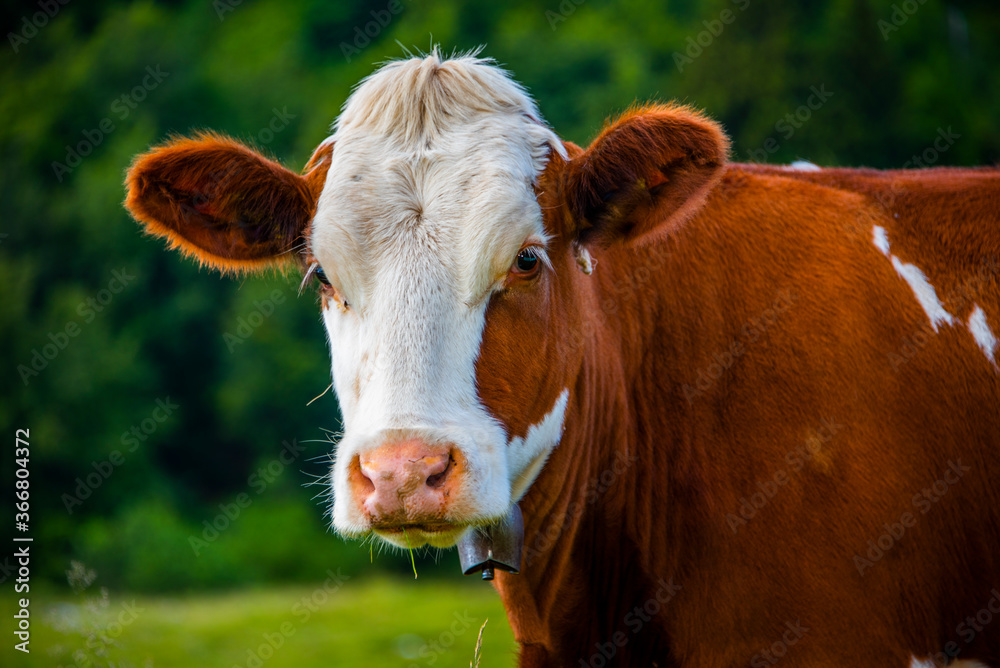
{"x": 575, "y": 512}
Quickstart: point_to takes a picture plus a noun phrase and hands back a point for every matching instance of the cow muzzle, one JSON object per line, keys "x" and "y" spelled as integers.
{"x": 404, "y": 489}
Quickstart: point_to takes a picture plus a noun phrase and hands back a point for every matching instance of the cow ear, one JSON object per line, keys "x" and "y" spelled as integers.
{"x": 224, "y": 204}
{"x": 651, "y": 168}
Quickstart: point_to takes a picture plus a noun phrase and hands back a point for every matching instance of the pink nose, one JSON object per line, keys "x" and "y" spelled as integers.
{"x": 404, "y": 483}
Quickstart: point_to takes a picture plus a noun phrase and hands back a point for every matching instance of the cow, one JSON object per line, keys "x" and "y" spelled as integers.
{"x": 748, "y": 413}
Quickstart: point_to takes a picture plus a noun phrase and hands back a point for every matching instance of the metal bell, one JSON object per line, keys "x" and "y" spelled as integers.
{"x": 497, "y": 546}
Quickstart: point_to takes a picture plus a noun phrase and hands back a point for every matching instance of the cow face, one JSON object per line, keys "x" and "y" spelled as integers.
{"x": 443, "y": 224}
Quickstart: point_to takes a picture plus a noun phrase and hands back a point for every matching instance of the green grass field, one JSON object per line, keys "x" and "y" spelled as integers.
{"x": 365, "y": 623}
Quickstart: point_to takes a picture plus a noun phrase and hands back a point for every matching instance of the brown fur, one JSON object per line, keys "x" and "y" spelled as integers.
{"x": 649, "y": 169}
{"x": 223, "y": 204}
{"x": 831, "y": 371}
{"x": 702, "y": 359}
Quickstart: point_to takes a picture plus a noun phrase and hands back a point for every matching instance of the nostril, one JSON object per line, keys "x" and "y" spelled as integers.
{"x": 362, "y": 477}
{"x": 437, "y": 479}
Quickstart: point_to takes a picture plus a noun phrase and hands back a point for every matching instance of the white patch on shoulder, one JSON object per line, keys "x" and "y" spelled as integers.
{"x": 981, "y": 332}
{"x": 530, "y": 453}
{"x": 927, "y": 296}
{"x": 880, "y": 239}
{"x": 922, "y": 288}
{"x": 804, "y": 166}
{"x": 925, "y": 293}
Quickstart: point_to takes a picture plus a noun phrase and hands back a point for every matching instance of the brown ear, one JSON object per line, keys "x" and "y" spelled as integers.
{"x": 650, "y": 168}
{"x": 222, "y": 203}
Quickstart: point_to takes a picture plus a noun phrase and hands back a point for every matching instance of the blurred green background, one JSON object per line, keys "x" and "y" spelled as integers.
{"x": 172, "y": 439}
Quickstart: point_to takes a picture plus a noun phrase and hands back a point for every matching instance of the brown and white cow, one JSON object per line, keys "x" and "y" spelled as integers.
{"x": 750, "y": 413}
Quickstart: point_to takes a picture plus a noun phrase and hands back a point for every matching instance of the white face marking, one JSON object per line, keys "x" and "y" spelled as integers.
{"x": 961, "y": 663}
{"x": 804, "y": 166}
{"x": 427, "y": 202}
{"x": 921, "y": 663}
{"x": 922, "y": 289}
{"x": 983, "y": 335}
{"x": 529, "y": 454}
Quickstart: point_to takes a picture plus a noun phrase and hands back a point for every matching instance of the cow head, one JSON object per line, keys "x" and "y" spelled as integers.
{"x": 445, "y": 226}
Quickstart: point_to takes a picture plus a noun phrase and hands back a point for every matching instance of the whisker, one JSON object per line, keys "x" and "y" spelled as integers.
{"x": 328, "y": 387}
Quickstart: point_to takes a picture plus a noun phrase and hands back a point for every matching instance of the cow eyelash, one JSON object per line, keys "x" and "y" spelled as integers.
{"x": 535, "y": 252}
{"x": 314, "y": 271}
{"x": 310, "y": 271}
{"x": 321, "y": 276}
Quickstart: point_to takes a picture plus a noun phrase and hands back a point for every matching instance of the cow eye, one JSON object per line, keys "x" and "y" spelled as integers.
{"x": 527, "y": 261}
{"x": 321, "y": 276}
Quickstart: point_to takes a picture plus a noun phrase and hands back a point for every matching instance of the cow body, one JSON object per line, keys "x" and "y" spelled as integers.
{"x": 762, "y": 394}
{"x": 750, "y": 413}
